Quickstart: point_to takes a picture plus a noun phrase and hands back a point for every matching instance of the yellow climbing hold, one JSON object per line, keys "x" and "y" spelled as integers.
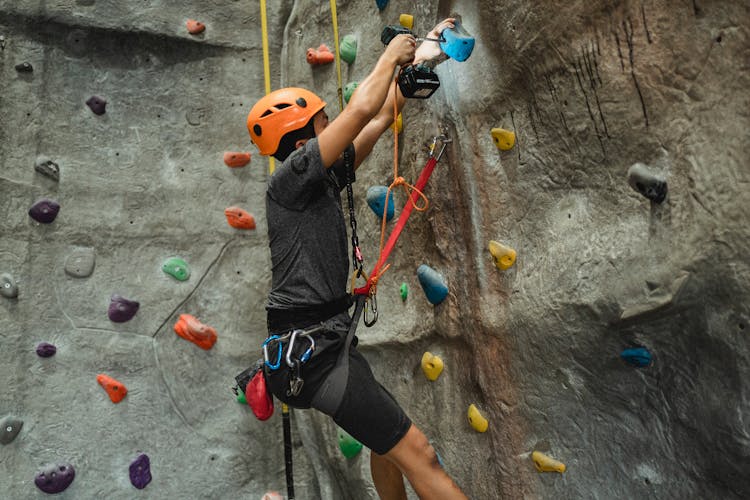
{"x": 406, "y": 20}
{"x": 544, "y": 463}
{"x": 477, "y": 421}
{"x": 504, "y": 256}
{"x": 398, "y": 125}
{"x": 432, "y": 366}
{"x": 504, "y": 139}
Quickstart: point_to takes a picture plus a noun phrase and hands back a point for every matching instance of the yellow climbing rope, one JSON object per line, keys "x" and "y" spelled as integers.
{"x": 335, "y": 21}
{"x": 266, "y": 65}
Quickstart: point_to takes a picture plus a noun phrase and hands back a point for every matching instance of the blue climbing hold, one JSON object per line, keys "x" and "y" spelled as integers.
{"x": 637, "y": 356}
{"x": 381, "y": 4}
{"x": 376, "y": 200}
{"x": 432, "y": 283}
{"x": 458, "y": 43}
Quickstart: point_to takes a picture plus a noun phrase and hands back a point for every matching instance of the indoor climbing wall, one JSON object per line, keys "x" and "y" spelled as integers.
{"x": 568, "y": 319}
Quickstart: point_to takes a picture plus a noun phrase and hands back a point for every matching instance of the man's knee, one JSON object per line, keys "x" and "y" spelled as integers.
{"x": 414, "y": 449}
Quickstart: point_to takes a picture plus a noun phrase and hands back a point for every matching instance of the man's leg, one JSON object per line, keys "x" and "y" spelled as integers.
{"x": 416, "y": 458}
{"x": 389, "y": 482}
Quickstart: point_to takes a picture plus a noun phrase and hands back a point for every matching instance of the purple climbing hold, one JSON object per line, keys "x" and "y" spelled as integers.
{"x": 44, "y": 211}
{"x": 121, "y": 309}
{"x": 55, "y": 478}
{"x": 45, "y": 350}
{"x": 140, "y": 471}
{"x": 97, "y": 105}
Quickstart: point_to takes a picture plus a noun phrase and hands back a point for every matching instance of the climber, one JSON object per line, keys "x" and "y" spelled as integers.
{"x": 310, "y": 265}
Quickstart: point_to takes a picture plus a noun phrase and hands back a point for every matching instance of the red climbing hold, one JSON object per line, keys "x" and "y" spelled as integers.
{"x": 115, "y": 389}
{"x": 239, "y": 218}
{"x": 321, "y": 56}
{"x": 258, "y": 397}
{"x": 189, "y": 328}
{"x": 195, "y": 27}
{"x": 235, "y": 159}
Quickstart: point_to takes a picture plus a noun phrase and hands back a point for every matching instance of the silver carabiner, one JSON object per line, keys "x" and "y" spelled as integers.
{"x": 373, "y": 304}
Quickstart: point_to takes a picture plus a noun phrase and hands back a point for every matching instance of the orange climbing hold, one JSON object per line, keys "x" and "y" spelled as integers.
{"x": 189, "y": 328}
{"x": 115, "y": 389}
{"x": 239, "y": 218}
{"x": 321, "y": 56}
{"x": 235, "y": 159}
{"x": 195, "y": 27}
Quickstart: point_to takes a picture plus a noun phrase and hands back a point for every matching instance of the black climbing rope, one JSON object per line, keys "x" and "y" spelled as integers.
{"x": 288, "y": 451}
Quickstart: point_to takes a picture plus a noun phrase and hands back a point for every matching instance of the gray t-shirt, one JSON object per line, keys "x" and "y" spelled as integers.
{"x": 306, "y": 231}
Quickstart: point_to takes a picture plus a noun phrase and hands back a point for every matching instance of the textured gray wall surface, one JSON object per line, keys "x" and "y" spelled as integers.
{"x": 590, "y": 88}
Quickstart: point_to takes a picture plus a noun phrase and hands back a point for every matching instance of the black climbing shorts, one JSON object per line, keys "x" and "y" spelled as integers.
{"x": 367, "y": 411}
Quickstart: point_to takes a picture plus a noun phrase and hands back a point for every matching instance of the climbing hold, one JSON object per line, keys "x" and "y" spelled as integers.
{"x": 637, "y": 356}
{"x": 239, "y": 218}
{"x": 97, "y": 105}
{"x": 477, "y": 421}
{"x": 24, "y": 67}
{"x": 504, "y": 256}
{"x": 236, "y": 159}
{"x": 348, "y": 445}
{"x": 195, "y": 27}
{"x": 381, "y": 4}
{"x": 349, "y": 89}
{"x": 9, "y": 428}
{"x": 44, "y": 211}
{"x": 504, "y": 139}
{"x": 272, "y": 495}
{"x": 177, "y": 268}
{"x": 432, "y": 283}
{"x": 647, "y": 182}
{"x": 8, "y": 286}
{"x": 80, "y": 263}
{"x": 404, "y": 291}
{"x": 432, "y": 366}
{"x": 116, "y": 390}
{"x": 47, "y": 168}
{"x": 398, "y": 125}
{"x": 45, "y": 350}
{"x": 544, "y": 463}
{"x": 121, "y": 309}
{"x": 406, "y": 20}
{"x": 140, "y": 471}
{"x": 376, "y": 201}
{"x": 322, "y": 55}
{"x": 189, "y": 328}
{"x": 54, "y": 478}
{"x": 348, "y": 48}
{"x": 458, "y": 42}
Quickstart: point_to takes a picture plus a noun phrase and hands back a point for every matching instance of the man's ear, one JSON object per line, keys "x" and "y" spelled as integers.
{"x": 300, "y": 143}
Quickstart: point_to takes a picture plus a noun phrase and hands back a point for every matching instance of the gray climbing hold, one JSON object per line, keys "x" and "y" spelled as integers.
{"x": 8, "y": 286}
{"x": 45, "y": 350}
{"x": 47, "y": 168}
{"x": 9, "y": 429}
{"x": 24, "y": 67}
{"x": 97, "y": 105}
{"x": 121, "y": 309}
{"x": 647, "y": 182}
{"x": 44, "y": 211}
{"x": 80, "y": 263}
{"x": 54, "y": 478}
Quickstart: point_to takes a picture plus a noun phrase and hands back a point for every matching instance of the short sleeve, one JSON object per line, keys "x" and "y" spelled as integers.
{"x": 299, "y": 178}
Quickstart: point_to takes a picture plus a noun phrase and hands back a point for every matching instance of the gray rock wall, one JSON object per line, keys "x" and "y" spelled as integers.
{"x": 590, "y": 88}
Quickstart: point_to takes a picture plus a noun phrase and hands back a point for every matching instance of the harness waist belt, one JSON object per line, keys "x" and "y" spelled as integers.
{"x": 279, "y": 320}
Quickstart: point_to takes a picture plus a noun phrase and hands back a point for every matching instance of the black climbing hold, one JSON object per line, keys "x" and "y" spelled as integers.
{"x": 45, "y": 350}
{"x": 80, "y": 263}
{"x": 9, "y": 429}
{"x": 140, "y": 471}
{"x": 121, "y": 309}
{"x": 97, "y": 105}
{"x": 24, "y": 67}
{"x": 8, "y": 286}
{"x": 54, "y": 478}
{"x": 647, "y": 182}
{"x": 47, "y": 168}
{"x": 44, "y": 211}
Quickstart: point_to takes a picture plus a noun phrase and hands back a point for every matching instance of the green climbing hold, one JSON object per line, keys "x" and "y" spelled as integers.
{"x": 241, "y": 398}
{"x": 349, "y": 90}
{"x": 177, "y": 268}
{"x": 348, "y": 445}
{"x": 404, "y": 291}
{"x": 348, "y": 48}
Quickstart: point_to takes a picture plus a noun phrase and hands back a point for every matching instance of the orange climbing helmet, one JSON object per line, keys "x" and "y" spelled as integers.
{"x": 280, "y": 112}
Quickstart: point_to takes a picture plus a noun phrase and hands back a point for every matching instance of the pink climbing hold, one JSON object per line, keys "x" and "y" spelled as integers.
{"x": 44, "y": 211}
{"x": 121, "y": 309}
{"x": 189, "y": 328}
{"x": 195, "y": 27}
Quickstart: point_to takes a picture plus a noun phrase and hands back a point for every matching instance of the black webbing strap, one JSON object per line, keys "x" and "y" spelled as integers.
{"x": 331, "y": 392}
{"x": 288, "y": 452}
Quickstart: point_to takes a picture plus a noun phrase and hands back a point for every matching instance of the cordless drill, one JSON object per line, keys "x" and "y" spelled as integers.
{"x": 416, "y": 81}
